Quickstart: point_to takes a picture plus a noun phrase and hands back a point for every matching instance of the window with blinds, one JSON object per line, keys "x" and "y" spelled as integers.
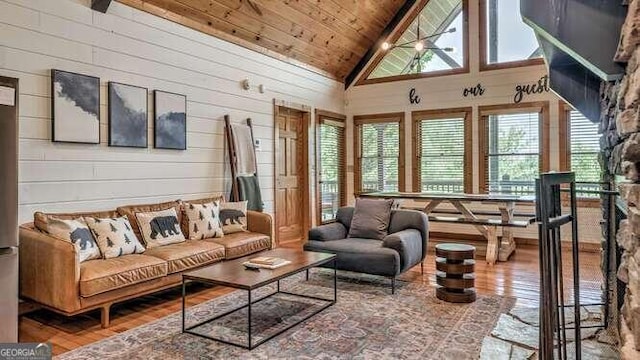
{"x": 584, "y": 149}
{"x": 332, "y": 165}
{"x": 379, "y": 156}
{"x": 513, "y": 153}
{"x": 441, "y": 155}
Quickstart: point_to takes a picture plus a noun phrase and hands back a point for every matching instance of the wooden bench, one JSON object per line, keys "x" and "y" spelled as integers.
{"x": 489, "y": 228}
{"x": 477, "y": 212}
{"x": 481, "y": 221}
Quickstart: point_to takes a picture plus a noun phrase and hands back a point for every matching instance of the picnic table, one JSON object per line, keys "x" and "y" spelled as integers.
{"x": 496, "y": 250}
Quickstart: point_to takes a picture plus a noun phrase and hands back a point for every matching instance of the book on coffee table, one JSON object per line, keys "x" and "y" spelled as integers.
{"x": 266, "y": 262}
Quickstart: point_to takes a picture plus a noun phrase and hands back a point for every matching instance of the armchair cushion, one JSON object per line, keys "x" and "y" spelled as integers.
{"x": 360, "y": 255}
{"x": 333, "y": 231}
{"x": 371, "y": 219}
{"x": 408, "y": 243}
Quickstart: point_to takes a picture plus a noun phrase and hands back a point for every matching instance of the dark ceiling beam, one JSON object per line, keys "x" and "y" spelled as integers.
{"x": 100, "y": 5}
{"x": 397, "y": 18}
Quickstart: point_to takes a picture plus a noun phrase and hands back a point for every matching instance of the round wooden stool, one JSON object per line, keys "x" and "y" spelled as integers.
{"x": 455, "y": 264}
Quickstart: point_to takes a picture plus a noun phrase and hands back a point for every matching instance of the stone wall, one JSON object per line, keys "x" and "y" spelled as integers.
{"x": 621, "y": 146}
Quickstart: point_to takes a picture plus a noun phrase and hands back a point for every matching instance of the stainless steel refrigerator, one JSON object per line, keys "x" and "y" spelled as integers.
{"x": 8, "y": 210}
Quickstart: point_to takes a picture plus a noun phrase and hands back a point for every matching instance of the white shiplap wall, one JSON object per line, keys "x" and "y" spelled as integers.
{"x": 132, "y": 47}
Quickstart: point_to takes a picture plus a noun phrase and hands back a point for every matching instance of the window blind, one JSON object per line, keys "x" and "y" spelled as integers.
{"x": 514, "y": 150}
{"x": 585, "y": 147}
{"x": 379, "y": 156}
{"x": 441, "y": 152}
{"x": 584, "y": 150}
{"x": 332, "y": 164}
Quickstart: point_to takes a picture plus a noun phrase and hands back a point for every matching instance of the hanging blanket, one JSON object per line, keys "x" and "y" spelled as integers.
{"x": 249, "y": 189}
{"x": 245, "y": 151}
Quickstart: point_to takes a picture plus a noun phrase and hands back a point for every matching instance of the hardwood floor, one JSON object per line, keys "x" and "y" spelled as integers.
{"x": 519, "y": 277}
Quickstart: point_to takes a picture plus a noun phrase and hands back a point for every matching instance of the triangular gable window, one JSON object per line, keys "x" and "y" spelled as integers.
{"x": 434, "y": 43}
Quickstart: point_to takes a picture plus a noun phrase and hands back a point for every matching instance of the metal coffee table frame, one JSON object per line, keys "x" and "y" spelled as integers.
{"x": 252, "y": 345}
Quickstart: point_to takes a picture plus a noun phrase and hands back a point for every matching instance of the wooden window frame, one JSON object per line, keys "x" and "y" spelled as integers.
{"x": 542, "y": 107}
{"x": 417, "y": 117}
{"x": 484, "y": 62}
{"x": 362, "y": 80}
{"x": 323, "y": 116}
{"x": 564, "y": 113}
{"x": 358, "y": 120}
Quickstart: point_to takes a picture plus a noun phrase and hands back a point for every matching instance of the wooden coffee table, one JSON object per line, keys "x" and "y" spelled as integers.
{"x": 233, "y": 274}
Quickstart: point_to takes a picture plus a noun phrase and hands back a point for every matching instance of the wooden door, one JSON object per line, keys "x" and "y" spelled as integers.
{"x": 291, "y": 175}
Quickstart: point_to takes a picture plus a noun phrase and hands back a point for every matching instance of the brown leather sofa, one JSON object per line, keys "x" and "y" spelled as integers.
{"x": 52, "y": 276}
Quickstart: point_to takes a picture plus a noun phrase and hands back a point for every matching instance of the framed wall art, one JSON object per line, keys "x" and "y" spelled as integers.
{"x": 170, "y": 126}
{"x": 128, "y": 115}
{"x": 75, "y": 107}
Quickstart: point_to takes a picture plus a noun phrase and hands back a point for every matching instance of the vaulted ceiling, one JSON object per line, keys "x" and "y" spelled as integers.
{"x": 330, "y": 35}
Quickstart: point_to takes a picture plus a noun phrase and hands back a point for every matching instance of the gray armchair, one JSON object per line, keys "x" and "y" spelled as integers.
{"x": 404, "y": 247}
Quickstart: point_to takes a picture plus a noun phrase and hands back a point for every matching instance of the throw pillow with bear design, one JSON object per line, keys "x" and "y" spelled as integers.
{"x": 160, "y": 228}
{"x": 76, "y": 232}
{"x": 233, "y": 216}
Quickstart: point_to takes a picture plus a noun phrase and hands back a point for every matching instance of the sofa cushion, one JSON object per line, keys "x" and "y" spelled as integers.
{"x": 188, "y": 255}
{"x": 233, "y": 216}
{"x": 131, "y": 210}
{"x": 160, "y": 228}
{"x": 371, "y": 218}
{"x": 41, "y": 220}
{"x": 185, "y": 221}
{"x": 76, "y": 232}
{"x": 360, "y": 255}
{"x": 114, "y": 236}
{"x": 204, "y": 220}
{"x": 99, "y": 276}
{"x": 242, "y": 243}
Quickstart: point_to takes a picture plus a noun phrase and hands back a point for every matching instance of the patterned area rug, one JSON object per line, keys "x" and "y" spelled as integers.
{"x": 366, "y": 323}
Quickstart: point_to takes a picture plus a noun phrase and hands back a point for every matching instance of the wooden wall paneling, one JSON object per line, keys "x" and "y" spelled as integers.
{"x": 282, "y": 32}
{"x": 265, "y": 38}
{"x": 328, "y": 35}
{"x": 287, "y": 18}
{"x": 309, "y": 9}
{"x": 194, "y": 20}
{"x": 357, "y": 15}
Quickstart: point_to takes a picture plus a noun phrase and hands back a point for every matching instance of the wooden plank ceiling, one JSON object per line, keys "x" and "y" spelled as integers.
{"x": 328, "y": 35}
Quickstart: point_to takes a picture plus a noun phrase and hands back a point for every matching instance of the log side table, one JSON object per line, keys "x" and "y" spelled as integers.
{"x": 455, "y": 264}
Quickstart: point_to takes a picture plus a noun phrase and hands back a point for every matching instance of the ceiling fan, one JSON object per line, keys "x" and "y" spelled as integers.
{"x": 420, "y": 45}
